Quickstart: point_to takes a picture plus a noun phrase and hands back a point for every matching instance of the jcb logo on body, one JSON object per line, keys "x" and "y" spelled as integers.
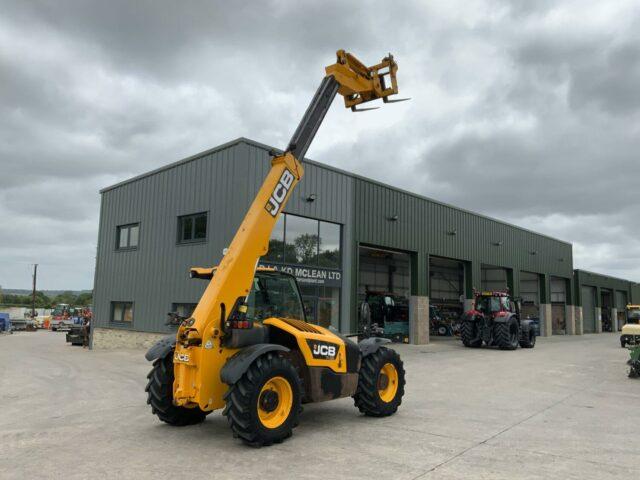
{"x": 323, "y": 350}
{"x": 182, "y": 357}
{"x": 279, "y": 193}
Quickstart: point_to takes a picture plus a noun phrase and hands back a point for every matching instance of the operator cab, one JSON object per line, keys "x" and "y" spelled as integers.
{"x": 633, "y": 314}
{"x": 274, "y": 294}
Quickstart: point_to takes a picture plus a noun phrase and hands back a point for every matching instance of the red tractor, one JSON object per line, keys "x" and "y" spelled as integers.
{"x": 495, "y": 321}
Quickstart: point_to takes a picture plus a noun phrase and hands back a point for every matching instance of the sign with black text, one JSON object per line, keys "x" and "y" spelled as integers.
{"x": 309, "y": 275}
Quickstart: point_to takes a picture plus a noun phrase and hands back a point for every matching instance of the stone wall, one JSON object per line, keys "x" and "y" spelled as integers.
{"x": 419, "y": 320}
{"x": 111, "y": 338}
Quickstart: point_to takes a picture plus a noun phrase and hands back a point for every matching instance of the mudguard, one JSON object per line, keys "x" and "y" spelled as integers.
{"x": 240, "y": 362}
{"x": 505, "y": 319}
{"x": 527, "y": 325}
{"x": 470, "y": 317}
{"x": 162, "y": 348}
{"x": 370, "y": 345}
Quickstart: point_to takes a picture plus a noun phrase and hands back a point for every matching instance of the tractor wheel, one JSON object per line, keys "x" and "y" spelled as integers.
{"x": 528, "y": 338}
{"x": 160, "y": 396}
{"x": 263, "y": 406}
{"x": 505, "y": 335}
{"x": 469, "y": 334}
{"x": 380, "y": 383}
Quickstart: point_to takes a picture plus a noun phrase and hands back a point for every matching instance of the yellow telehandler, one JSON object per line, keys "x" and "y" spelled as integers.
{"x": 247, "y": 347}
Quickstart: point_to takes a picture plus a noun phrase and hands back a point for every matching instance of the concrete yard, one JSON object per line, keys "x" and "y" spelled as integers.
{"x": 563, "y": 410}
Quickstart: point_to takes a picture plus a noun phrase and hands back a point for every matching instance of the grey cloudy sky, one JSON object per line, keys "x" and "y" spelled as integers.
{"x": 528, "y": 111}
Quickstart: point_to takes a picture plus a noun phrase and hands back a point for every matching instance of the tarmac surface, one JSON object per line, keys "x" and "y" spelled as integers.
{"x": 564, "y": 410}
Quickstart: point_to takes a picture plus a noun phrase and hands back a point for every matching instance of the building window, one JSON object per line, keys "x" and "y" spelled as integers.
{"x": 192, "y": 228}
{"x": 276, "y": 242}
{"x": 122, "y": 312}
{"x": 314, "y": 246}
{"x": 304, "y": 241}
{"x": 183, "y": 309}
{"x": 329, "y": 245}
{"x": 127, "y": 236}
{"x": 301, "y": 240}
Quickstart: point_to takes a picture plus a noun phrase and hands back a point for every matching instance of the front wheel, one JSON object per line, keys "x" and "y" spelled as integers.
{"x": 160, "y": 396}
{"x": 380, "y": 383}
{"x": 528, "y": 338}
{"x": 263, "y": 406}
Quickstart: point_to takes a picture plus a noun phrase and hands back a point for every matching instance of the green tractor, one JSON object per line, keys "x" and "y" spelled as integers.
{"x": 634, "y": 361}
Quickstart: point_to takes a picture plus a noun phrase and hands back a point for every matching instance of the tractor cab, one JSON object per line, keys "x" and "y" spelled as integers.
{"x": 631, "y": 330}
{"x": 495, "y": 303}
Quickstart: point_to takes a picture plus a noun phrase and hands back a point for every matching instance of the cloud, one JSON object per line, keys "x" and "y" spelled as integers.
{"x": 527, "y": 111}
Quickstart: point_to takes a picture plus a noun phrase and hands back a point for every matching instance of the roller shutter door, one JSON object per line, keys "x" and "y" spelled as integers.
{"x": 589, "y": 309}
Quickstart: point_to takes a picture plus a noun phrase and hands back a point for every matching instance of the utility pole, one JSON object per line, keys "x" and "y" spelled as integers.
{"x": 33, "y": 293}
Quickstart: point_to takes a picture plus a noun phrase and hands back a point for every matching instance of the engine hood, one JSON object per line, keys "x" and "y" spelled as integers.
{"x": 631, "y": 329}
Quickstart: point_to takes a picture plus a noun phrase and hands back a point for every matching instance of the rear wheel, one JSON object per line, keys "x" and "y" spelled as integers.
{"x": 160, "y": 396}
{"x": 469, "y": 334}
{"x": 528, "y": 338}
{"x": 505, "y": 335}
{"x": 380, "y": 383}
{"x": 263, "y": 406}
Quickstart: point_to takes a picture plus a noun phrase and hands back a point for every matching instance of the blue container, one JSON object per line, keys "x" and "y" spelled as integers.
{"x": 5, "y": 323}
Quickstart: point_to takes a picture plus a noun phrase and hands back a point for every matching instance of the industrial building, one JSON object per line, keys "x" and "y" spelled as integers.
{"x": 342, "y": 235}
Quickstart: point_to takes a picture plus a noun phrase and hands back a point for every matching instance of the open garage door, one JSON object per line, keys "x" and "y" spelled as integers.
{"x": 558, "y": 306}
{"x": 493, "y": 278}
{"x": 606, "y": 303}
{"x": 621, "y": 305}
{"x": 384, "y": 285}
{"x": 589, "y": 309}
{"x": 530, "y": 293}
{"x": 446, "y": 295}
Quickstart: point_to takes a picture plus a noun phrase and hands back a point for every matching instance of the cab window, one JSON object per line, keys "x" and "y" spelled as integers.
{"x": 274, "y": 295}
{"x": 488, "y": 304}
{"x": 506, "y": 303}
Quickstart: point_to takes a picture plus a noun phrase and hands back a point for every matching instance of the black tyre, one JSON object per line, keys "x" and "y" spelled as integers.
{"x": 264, "y": 405}
{"x": 469, "y": 334}
{"x": 380, "y": 383}
{"x": 160, "y": 396}
{"x": 506, "y": 335}
{"x": 528, "y": 338}
{"x": 622, "y": 343}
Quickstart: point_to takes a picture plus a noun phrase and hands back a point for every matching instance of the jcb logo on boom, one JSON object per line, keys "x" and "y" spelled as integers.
{"x": 322, "y": 350}
{"x": 279, "y": 193}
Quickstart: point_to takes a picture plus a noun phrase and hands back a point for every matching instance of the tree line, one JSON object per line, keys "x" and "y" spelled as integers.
{"x": 44, "y": 301}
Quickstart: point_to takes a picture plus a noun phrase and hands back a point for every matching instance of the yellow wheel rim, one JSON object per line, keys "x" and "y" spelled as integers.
{"x": 274, "y": 402}
{"x": 388, "y": 382}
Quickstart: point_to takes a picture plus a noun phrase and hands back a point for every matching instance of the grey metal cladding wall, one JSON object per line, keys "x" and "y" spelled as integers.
{"x": 158, "y": 269}
{"x": 223, "y": 183}
{"x": 423, "y": 225}
{"x": 598, "y": 280}
{"x": 332, "y": 189}
{"x": 635, "y": 293}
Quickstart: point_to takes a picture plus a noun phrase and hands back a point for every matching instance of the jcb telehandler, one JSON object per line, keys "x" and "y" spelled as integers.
{"x": 247, "y": 347}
